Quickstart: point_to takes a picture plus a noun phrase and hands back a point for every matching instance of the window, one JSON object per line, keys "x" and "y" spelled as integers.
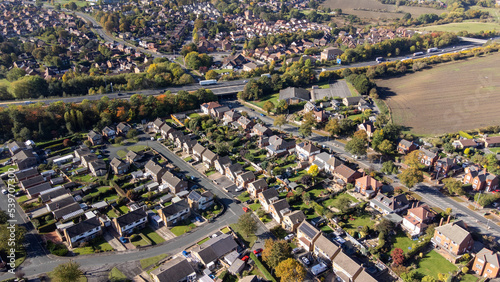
{"x": 479, "y": 266}
{"x": 488, "y": 270}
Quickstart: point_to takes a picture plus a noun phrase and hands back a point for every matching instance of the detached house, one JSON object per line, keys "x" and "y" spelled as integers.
{"x": 427, "y": 157}
{"x": 261, "y": 130}
{"x": 405, "y": 146}
{"x": 176, "y": 270}
{"x": 278, "y": 209}
{"x": 232, "y": 171}
{"x": 215, "y": 249}
{"x": 245, "y": 178}
{"x": 345, "y": 175}
{"x": 277, "y": 146}
{"x": 306, "y": 151}
{"x": 82, "y": 232}
{"x": 267, "y": 197}
{"x": 173, "y": 183}
{"x": 387, "y": 205}
{"x": 306, "y": 235}
{"x": 492, "y": 142}
{"x": 201, "y": 201}
{"x": 206, "y": 108}
{"x": 254, "y": 188}
{"x": 292, "y": 220}
{"x": 486, "y": 263}
{"x": 98, "y": 168}
{"x": 367, "y": 186}
{"x": 123, "y": 128}
{"x": 94, "y": 138}
{"x": 119, "y": 166}
{"x": 453, "y": 238}
{"x": 175, "y": 213}
{"x": 417, "y": 219}
{"x": 109, "y": 132}
{"x": 480, "y": 179}
{"x": 131, "y": 221}
{"x": 24, "y": 159}
{"x": 245, "y": 123}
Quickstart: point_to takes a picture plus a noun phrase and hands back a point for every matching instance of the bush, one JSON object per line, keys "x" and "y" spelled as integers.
{"x": 57, "y": 249}
{"x": 465, "y": 270}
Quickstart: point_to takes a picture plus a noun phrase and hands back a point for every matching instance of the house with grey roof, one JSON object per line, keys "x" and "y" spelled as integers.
{"x": 292, "y": 220}
{"x": 175, "y": 212}
{"x": 119, "y": 166}
{"x": 24, "y": 159}
{"x": 82, "y": 231}
{"x": 95, "y": 138}
{"x": 157, "y": 124}
{"x": 267, "y": 197}
{"x": 307, "y": 235}
{"x": 254, "y": 188}
{"x": 34, "y": 191}
{"x": 233, "y": 170}
{"x": 278, "y": 209}
{"x": 261, "y": 130}
{"x": 154, "y": 170}
{"x": 98, "y": 168}
{"x": 349, "y": 270}
{"x": 130, "y": 221}
{"x": 200, "y": 201}
{"x": 198, "y": 152}
{"x": 245, "y": 178}
{"x": 67, "y": 212}
{"x": 208, "y": 158}
{"x": 222, "y": 163}
{"x": 174, "y": 183}
{"x": 388, "y": 205}
{"x": 123, "y": 128}
{"x": 325, "y": 249}
{"x": 215, "y": 248}
{"x": 176, "y": 270}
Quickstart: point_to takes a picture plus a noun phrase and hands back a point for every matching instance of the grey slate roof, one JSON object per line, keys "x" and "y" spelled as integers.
{"x": 174, "y": 208}
{"x": 174, "y": 270}
{"x": 131, "y": 217}
{"x": 294, "y": 92}
{"x": 82, "y": 227}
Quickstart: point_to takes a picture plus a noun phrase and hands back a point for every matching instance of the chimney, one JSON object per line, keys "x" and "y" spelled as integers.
{"x": 441, "y": 222}
{"x": 448, "y": 220}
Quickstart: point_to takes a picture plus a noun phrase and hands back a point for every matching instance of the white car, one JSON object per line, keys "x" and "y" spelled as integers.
{"x": 289, "y": 237}
{"x": 4, "y": 192}
{"x": 161, "y": 139}
{"x": 305, "y": 260}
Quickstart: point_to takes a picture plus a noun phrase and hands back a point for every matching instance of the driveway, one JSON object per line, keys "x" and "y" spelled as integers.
{"x": 114, "y": 242}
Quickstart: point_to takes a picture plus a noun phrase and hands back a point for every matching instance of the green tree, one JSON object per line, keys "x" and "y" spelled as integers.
{"x": 411, "y": 176}
{"x": 290, "y": 270}
{"x": 279, "y": 121}
{"x": 343, "y": 204}
{"x": 386, "y": 147}
{"x": 3, "y": 217}
{"x": 281, "y": 107}
{"x": 453, "y": 186}
{"x": 69, "y": 271}
{"x": 268, "y": 106}
{"x": 211, "y": 74}
{"x": 448, "y": 148}
{"x": 333, "y": 127}
{"x": 30, "y": 87}
{"x": 389, "y": 167}
{"x": 247, "y": 224}
{"x": 409, "y": 276}
{"x": 305, "y": 129}
{"x": 356, "y": 146}
{"x": 276, "y": 252}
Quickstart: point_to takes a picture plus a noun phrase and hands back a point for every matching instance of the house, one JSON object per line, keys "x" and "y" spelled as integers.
{"x": 331, "y": 53}
{"x": 480, "y": 179}
{"x": 174, "y": 183}
{"x": 306, "y": 235}
{"x": 254, "y": 188}
{"x": 326, "y": 162}
{"x": 232, "y": 171}
{"x": 320, "y": 116}
{"x": 294, "y": 95}
{"x": 465, "y": 143}
{"x": 26, "y": 174}
{"x": 427, "y": 157}
{"x": 278, "y": 146}
{"x": 231, "y": 116}
{"x": 123, "y": 128}
{"x": 222, "y": 163}
{"x": 206, "y": 108}
{"x": 82, "y": 231}
{"x": 486, "y": 263}
{"x": 15, "y": 146}
{"x": 98, "y": 168}
{"x": 133, "y": 157}
{"x": 292, "y": 220}
{"x": 165, "y": 131}
{"x": 261, "y": 130}
{"x": 67, "y": 212}
{"x": 198, "y": 152}
{"x": 214, "y": 248}
{"x": 250, "y": 66}
{"x": 405, "y": 146}
{"x": 351, "y": 101}
{"x": 417, "y": 219}
{"x": 349, "y": 270}
{"x": 34, "y": 191}
{"x": 24, "y": 159}
{"x": 492, "y": 141}
{"x": 127, "y": 223}
{"x": 30, "y": 182}
{"x": 245, "y": 178}
{"x": 387, "y": 205}
{"x": 157, "y": 124}
{"x": 306, "y": 151}
{"x": 209, "y": 158}
{"x": 367, "y": 127}
{"x": 50, "y": 194}
{"x": 177, "y": 269}
{"x": 325, "y": 249}
{"x": 108, "y": 132}
{"x": 154, "y": 170}
{"x": 201, "y": 201}
{"x": 119, "y": 166}
{"x": 453, "y": 238}
{"x": 267, "y": 197}
{"x": 175, "y": 212}
{"x": 367, "y": 186}
{"x": 188, "y": 146}
{"x": 218, "y": 112}
{"x": 278, "y": 209}
{"x": 245, "y": 123}
{"x": 94, "y": 138}
{"x": 82, "y": 151}
{"x": 60, "y": 203}
{"x": 345, "y": 175}
{"x": 444, "y": 165}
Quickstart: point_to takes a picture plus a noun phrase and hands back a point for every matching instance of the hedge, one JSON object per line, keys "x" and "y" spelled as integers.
{"x": 262, "y": 268}
{"x": 57, "y": 249}
{"x": 47, "y": 228}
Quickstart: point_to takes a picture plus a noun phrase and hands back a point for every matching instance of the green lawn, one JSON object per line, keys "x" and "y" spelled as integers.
{"x": 310, "y": 214}
{"x": 225, "y": 230}
{"x": 22, "y": 198}
{"x": 194, "y": 115}
{"x": 353, "y": 90}
{"x": 433, "y": 263}
{"x": 244, "y": 197}
{"x": 181, "y": 229}
{"x": 364, "y": 220}
{"x": 255, "y": 206}
{"x": 210, "y": 172}
{"x": 334, "y": 201}
{"x": 111, "y": 214}
{"x": 121, "y": 153}
{"x": 153, "y": 236}
{"x": 402, "y": 241}
{"x": 273, "y": 98}
{"x": 188, "y": 159}
{"x": 469, "y": 26}
{"x": 84, "y": 250}
{"x": 223, "y": 71}
{"x": 250, "y": 168}
{"x": 316, "y": 192}
{"x": 298, "y": 176}
{"x": 78, "y": 3}
{"x": 354, "y": 117}
{"x": 145, "y": 263}
{"x": 327, "y": 229}
{"x": 85, "y": 178}
{"x": 495, "y": 150}
{"x": 124, "y": 209}
{"x": 117, "y": 275}
{"x": 250, "y": 240}
{"x": 6, "y": 168}
{"x": 101, "y": 245}
{"x": 137, "y": 148}
{"x": 262, "y": 268}
{"x": 203, "y": 241}
{"x": 141, "y": 242}
{"x": 468, "y": 278}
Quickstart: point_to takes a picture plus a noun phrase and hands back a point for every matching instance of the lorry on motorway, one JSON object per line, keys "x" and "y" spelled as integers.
{"x": 208, "y": 82}
{"x": 430, "y": 50}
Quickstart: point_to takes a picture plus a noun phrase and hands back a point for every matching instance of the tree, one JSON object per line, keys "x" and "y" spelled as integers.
{"x": 306, "y": 180}
{"x": 282, "y": 106}
{"x": 385, "y": 226}
{"x": 385, "y": 147}
{"x": 291, "y": 270}
{"x": 69, "y": 271}
{"x": 305, "y": 129}
{"x": 411, "y": 176}
{"x": 397, "y": 256}
{"x": 313, "y": 171}
{"x": 429, "y": 278}
{"x": 3, "y": 217}
{"x": 389, "y": 168}
{"x": 413, "y": 159}
{"x": 247, "y": 224}
{"x": 279, "y": 121}
{"x": 356, "y": 146}
{"x": 268, "y": 106}
{"x": 5, "y": 235}
{"x": 448, "y": 148}
{"x": 343, "y": 204}
{"x": 409, "y": 276}
{"x": 333, "y": 127}
{"x": 132, "y": 133}
{"x": 453, "y": 186}
{"x": 276, "y": 252}
{"x": 211, "y": 74}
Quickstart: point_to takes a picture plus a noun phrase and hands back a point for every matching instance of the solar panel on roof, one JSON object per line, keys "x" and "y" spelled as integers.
{"x": 308, "y": 230}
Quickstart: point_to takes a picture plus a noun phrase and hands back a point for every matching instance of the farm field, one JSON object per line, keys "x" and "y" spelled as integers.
{"x": 472, "y": 27}
{"x": 375, "y": 9}
{"x": 435, "y": 101}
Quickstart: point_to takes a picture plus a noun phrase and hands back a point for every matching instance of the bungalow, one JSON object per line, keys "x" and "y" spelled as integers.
{"x": 129, "y": 222}
{"x": 123, "y": 128}
{"x": 82, "y": 232}
{"x": 453, "y": 238}
{"x": 109, "y": 132}
{"x": 245, "y": 123}
{"x": 267, "y": 197}
{"x": 387, "y": 205}
{"x": 367, "y": 186}
{"x": 175, "y": 213}
{"x": 30, "y": 182}
{"x": 60, "y": 202}
{"x": 486, "y": 263}
{"x": 345, "y": 175}
{"x": 405, "y": 146}
{"x": 198, "y": 152}
{"x": 206, "y": 108}
{"x": 26, "y": 174}
{"x": 24, "y": 159}
{"x": 176, "y": 269}
{"x": 465, "y": 143}
{"x": 214, "y": 249}
{"x": 98, "y": 168}
{"x": 94, "y": 138}
{"x": 67, "y": 212}
{"x": 173, "y": 183}
{"x": 119, "y": 166}
{"x": 261, "y": 130}
{"x": 256, "y": 187}
{"x": 306, "y": 151}
{"x": 415, "y": 222}
{"x": 245, "y": 178}
{"x": 480, "y": 179}
{"x": 201, "y": 201}
{"x": 325, "y": 249}
{"x": 492, "y": 141}
{"x": 34, "y": 191}
{"x": 292, "y": 220}
{"x": 307, "y": 235}
{"x": 294, "y": 95}
{"x": 232, "y": 171}
{"x": 209, "y": 158}
{"x": 278, "y": 209}
{"x": 154, "y": 170}
{"x": 222, "y": 163}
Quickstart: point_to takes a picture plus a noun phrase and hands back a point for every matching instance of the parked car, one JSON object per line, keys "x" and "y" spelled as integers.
{"x": 305, "y": 260}
{"x": 123, "y": 240}
{"x": 245, "y": 258}
{"x": 245, "y": 209}
{"x": 257, "y": 251}
{"x": 296, "y": 250}
{"x": 4, "y": 192}
{"x": 262, "y": 115}
{"x": 184, "y": 253}
{"x": 289, "y": 237}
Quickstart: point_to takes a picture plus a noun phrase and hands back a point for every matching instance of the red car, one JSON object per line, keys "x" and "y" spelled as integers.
{"x": 257, "y": 251}
{"x": 245, "y": 209}
{"x": 245, "y": 258}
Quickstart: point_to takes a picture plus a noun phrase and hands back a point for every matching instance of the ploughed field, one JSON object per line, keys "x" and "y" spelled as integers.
{"x": 462, "y": 95}
{"x": 373, "y": 9}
